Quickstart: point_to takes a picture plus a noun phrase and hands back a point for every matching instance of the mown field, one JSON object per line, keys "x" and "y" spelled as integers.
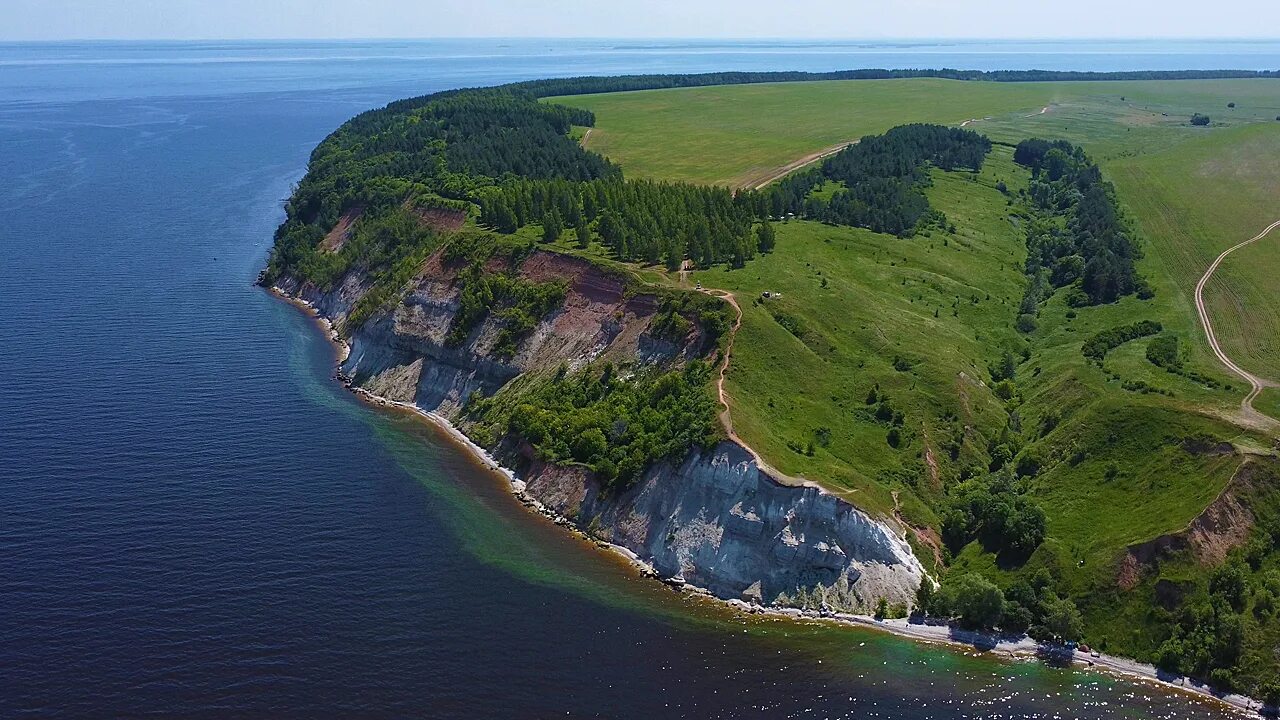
{"x": 852, "y": 313}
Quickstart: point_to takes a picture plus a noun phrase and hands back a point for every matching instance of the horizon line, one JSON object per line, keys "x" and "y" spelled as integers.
{"x": 662, "y": 38}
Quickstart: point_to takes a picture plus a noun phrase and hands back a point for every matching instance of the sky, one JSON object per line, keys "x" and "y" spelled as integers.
{"x": 854, "y": 19}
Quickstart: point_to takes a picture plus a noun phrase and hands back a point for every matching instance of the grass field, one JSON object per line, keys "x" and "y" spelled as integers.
{"x": 921, "y": 320}
{"x": 1192, "y": 191}
{"x": 942, "y": 305}
{"x": 1201, "y": 197}
{"x": 732, "y": 135}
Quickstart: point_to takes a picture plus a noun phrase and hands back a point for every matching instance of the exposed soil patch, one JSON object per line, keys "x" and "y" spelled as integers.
{"x": 441, "y": 219}
{"x": 1222, "y": 526}
{"x": 336, "y": 237}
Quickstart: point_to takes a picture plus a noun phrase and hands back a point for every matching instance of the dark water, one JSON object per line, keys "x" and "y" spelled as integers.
{"x": 196, "y": 521}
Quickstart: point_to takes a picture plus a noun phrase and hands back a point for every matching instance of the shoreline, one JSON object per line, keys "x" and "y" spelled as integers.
{"x": 1023, "y": 648}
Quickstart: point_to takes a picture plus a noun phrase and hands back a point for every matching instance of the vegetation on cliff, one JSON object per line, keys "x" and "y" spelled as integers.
{"x": 616, "y": 425}
{"x": 955, "y": 379}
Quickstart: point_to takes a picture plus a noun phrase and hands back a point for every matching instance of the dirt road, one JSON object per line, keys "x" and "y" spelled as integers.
{"x": 1252, "y": 416}
{"x": 794, "y": 165}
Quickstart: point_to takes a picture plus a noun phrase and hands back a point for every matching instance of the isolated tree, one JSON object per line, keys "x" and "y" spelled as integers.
{"x": 1062, "y": 619}
{"x": 975, "y": 600}
{"x": 552, "y": 226}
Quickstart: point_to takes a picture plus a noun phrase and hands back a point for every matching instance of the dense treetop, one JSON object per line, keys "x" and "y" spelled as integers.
{"x": 1087, "y": 241}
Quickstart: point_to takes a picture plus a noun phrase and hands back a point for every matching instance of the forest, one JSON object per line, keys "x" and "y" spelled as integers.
{"x": 883, "y": 177}
{"x": 639, "y": 220}
{"x": 1082, "y": 239}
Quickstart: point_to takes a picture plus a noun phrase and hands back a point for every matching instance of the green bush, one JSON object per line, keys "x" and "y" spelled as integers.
{"x": 617, "y": 427}
{"x": 1162, "y": 351}
{"x": 1097, "y": 347}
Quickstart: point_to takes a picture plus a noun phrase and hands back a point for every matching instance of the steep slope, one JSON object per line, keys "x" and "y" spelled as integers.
{"x": 707, "y": 516}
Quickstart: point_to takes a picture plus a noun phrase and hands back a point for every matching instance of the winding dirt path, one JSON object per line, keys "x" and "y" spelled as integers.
{"x": 726, "y": 420}
{"x": 794, "y": 165}
{"x": 1252, "y": 416}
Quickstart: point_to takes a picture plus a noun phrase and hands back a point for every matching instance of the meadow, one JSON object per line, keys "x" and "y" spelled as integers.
{"x": 852, "y": 317}
{"x": 1192, "y": 192}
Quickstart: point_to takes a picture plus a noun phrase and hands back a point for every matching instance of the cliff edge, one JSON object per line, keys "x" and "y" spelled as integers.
{"x": 709, "y": 517}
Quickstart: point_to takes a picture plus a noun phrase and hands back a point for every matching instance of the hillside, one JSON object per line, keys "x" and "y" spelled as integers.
{"x": 1108, "y": 441}
{"x": 986, "y": 349}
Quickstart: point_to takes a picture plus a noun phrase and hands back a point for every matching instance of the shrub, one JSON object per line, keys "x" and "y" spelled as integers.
{"x": 1162, "y": 351}
{"x": 1199, "y": 120}
{"x": 1028, "y": 465}
{"x": 974, "y": 600}
{"x": 1097, "y": 347}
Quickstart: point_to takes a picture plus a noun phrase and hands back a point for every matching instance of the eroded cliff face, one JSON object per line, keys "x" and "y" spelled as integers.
{"x": 713, "y": 519}
{"x": 717, "y": 522}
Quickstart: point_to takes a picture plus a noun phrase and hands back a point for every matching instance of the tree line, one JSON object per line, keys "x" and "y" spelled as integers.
{"x": 883, "y": 176}
{"x": 639, "y": 220}
{"x": 587, "y": 85}
{"x": 1086, "y": 241}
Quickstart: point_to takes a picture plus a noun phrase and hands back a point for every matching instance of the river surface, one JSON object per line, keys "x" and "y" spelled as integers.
{"x": 197, "y": 521}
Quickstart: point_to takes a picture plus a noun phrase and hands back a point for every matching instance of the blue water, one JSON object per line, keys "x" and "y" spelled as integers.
{"x": 195, "y": 520}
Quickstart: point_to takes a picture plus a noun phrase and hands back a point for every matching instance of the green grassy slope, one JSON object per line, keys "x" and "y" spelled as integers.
{"x": 922, "y": 319}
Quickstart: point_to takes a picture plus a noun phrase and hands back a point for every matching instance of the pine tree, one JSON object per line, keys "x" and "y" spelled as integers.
{"x": 551, "y": 226}
{"x": 503, "y": 217}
